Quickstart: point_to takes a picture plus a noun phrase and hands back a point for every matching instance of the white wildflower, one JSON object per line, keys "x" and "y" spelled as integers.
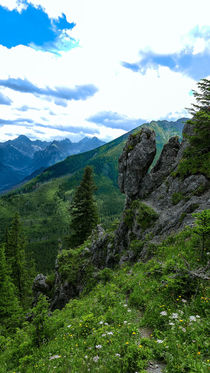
{"x": 86, "y": 356}
{"x": 129, "y": 310}
{"x": 104, "y": 335}
{"x": 184, "y": 330}
{"x": 159, "y": 341}
{"x": 95, "y": 358}
{"x": 197, "y": 317}
{"x": 192, "y": 318}
{"x": 106, "y": 323}
{"x": 109, "y": 333}
{"x": 125, "y": 305}
{"x": 117, "y": 355}
{"x": 125, "y": 322}
{"x": 184, "y": 301}
{"x": 163, "y": 313}
{"x": 101, "y": 322}
{"x": 174, "y": 316}
{"x": 171, "y": 323}
{"x": 98, "y": 346}
{"x": 69, "y": 326}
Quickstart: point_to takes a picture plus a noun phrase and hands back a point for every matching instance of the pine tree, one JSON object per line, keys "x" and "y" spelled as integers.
{"x": 9, "y": 306}
{"x": 84, "y": 216}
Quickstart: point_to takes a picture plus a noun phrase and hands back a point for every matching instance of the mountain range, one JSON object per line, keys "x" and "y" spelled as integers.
{"x": 45, "y": 197}
{"x": 21, "y": 157}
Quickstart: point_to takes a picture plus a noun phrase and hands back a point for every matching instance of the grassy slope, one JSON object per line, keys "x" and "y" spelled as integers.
{"x": 43, "y": 202}
{"x": 103, "y": 330}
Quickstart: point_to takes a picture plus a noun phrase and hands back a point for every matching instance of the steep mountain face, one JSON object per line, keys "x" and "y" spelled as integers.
{"x": 21, "y": 157}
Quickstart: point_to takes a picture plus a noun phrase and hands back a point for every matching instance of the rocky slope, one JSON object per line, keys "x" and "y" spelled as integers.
{"x": 157, "y": 203}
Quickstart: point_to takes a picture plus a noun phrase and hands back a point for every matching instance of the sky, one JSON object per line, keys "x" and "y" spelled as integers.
{"x": 76, "y": 68}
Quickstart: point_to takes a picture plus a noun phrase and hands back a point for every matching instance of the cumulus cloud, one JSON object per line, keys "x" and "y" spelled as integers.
{"x": 24, "y": 86}
{"x": 109, "y": 32}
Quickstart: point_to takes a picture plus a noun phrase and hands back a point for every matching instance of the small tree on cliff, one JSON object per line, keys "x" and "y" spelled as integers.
{"x": 84, "y": 215}
{"x": 197, "y": 155}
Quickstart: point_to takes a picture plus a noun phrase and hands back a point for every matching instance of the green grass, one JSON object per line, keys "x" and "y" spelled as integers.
{"x": 102, "y": 330}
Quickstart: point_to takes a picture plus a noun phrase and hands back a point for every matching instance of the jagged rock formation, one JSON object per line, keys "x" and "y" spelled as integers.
{"x": 136, "y": 158}
{"x": 160, "y": 197}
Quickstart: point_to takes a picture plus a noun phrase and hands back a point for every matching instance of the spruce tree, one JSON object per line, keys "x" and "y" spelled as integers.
{"x": 9, "y": 306}
{"x": 16, "y": 259}
{"x": 197, "y": 155}
{"x": 84, "y": 216}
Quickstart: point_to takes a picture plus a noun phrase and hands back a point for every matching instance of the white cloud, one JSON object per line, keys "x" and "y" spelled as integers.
{"x": 109, "y": 32}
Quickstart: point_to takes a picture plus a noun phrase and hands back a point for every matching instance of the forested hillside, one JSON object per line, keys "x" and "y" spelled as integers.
{"x": 43, "y": 202}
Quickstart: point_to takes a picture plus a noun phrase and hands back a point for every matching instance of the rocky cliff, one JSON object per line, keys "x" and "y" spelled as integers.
{"x": 158, "y": 203}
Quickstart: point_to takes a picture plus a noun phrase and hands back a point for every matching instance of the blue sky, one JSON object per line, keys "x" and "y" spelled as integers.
{"x": 88, "y": 68}
{"x": 31, "y": 26}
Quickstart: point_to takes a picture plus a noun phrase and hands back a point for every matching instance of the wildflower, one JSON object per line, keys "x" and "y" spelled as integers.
{"x": 140, "y": 346}
{"x": 118, "y": 355}
{"x": 126, "y": 343}
{"x": 95, "y": 358}
{"x": 184, "y": 301}
{"x": 125, "y": 305}
{"x": 129, "y": 310}
{"x": 198, "y": 353}
{"x": 181, "y": 320}
{"x": 134, "y": 333}
{"x": 104, "y": 335}
{"x": 197, "y": 317}
{"x": 54, "y": 357}
{"x": 86, "y": 356}
{"x": 171, "y": 323}
{"x": 101, "y": 322}
{"x": 98, "y": 346}
{"x": 174, "y": 316}
{"x": 184, "y": 330}
{"x": 109, "y": 333}
{"x": 125, "y": 322}
{"x": 192, "y": 318}
{"x": 106, "y": 323}
{"x": 163, "y": 313}
{"x": 69, "y": 326}
{"x": 159, "y": 341}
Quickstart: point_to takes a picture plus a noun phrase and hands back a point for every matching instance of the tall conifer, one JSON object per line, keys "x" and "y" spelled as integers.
{"x": 9, "y": 305}
{"x": 84, "y": 216}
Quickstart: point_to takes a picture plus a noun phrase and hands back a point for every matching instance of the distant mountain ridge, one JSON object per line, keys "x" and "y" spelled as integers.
{"x": 21, "y": 157}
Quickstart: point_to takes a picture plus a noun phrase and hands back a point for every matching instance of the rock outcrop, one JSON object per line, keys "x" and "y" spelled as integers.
{"x": 136, "y": 158}
{"x": 159, "y": 196}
